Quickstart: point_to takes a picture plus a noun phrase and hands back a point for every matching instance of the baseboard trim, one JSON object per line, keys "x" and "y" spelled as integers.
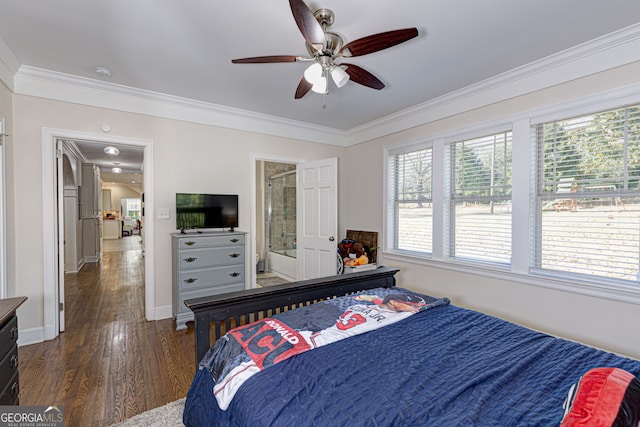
{"x": 164, "y": 312}
{"x": 30, "y": 336}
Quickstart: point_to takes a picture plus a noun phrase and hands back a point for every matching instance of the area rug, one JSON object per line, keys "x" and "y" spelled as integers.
{"x": 169, "y": 415}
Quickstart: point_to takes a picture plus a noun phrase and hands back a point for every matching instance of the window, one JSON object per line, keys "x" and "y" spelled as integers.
{"x": 131, "y": 208}
{"x": 410, "y": 211}
{"x": 480, "y": 199}
{"x": 550, "y": 199}
{"x": 587, "y": 215}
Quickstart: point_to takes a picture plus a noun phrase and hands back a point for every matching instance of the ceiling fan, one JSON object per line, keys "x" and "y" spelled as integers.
{"x": 325, "y": 48}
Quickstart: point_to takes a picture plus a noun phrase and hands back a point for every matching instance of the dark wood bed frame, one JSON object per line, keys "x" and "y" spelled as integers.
{"x": 252, "y": 304}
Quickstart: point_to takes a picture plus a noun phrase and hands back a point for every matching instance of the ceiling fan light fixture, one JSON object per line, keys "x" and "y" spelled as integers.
{"x": 313, "y": 74}
{"x": 339, "y": 76}
{"x": 321, "y": 86}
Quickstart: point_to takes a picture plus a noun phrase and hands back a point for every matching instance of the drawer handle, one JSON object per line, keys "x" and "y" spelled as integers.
{"x": 234, "y": 274}
{"x": 190, "y": 280}
{"x": 14, "y": 389}
{"x": 234, "y": 255}
{"x": 14, "y": 361}
{"x": 234, "y": 240}
{"x": 14, "y": 333}
{"x": 189, "y": 243}
{"x": 191, "y": 259}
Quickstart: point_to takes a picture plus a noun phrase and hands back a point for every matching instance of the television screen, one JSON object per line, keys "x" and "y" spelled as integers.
{"x": 206, "y": 211}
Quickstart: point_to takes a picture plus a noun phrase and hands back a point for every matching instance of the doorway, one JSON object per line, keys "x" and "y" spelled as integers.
{"x": 265, "y": 166}
{"x": 279, "y": 257}
{"x": 54, "y": 230}
{"x": 315, "y": 192}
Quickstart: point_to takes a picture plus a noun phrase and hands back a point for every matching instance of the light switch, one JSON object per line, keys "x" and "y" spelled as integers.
{"x": 163, "y": 213}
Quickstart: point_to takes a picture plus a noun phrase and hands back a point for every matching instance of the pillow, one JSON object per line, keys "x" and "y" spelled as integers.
{"x": 603, "y": 397}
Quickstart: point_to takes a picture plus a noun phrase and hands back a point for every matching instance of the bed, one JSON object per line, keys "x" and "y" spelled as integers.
{"x": 437, "y": 365}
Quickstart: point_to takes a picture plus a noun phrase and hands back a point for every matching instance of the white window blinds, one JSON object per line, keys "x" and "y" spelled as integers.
{"x": 410, "y": 211}
{"x": 480, "y": 199}
{"x": 587, "y": 211}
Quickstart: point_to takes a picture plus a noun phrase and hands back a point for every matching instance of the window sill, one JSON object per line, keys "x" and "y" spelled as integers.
{"x": 608, "y": 289}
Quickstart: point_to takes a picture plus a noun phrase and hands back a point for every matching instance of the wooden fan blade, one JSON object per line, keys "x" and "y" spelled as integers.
{"x": 376, "y": 42}
{"x": 308, "y": 24}
{"x": 303, "y": 88}
{"x": 363, "y": 77}
{"x": 265, "y": 59}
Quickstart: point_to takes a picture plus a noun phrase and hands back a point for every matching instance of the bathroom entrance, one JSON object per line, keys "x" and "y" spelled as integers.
{"x": 277, "y": 258}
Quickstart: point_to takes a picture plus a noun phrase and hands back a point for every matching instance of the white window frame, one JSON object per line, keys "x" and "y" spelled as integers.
{"x": 452, "y": 199}
{"x": 581, "y": 195}
{"x": 523, "y": 196}
{"x": 389, "y": 206}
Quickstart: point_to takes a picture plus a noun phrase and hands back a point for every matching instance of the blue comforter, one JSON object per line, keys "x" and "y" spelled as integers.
{"x": 446, "y": 366}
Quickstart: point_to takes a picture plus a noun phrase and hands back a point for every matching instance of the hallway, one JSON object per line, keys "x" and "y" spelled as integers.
{"x": 110, "y": 364}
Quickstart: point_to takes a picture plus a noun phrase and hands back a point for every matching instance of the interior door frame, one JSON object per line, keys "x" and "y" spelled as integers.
{"x": 4, "y": 293}
{"x": 254, "y": 192}
{"x": 50, "y": 229}
{"x": 60, "y": 232}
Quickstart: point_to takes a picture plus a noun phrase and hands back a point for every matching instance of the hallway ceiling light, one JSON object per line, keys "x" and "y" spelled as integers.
{"x": 111, "y": 150}
{"x": 116, "y": 170}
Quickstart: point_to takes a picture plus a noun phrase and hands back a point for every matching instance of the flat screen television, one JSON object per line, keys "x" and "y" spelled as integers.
{"x": 194, "y": 211}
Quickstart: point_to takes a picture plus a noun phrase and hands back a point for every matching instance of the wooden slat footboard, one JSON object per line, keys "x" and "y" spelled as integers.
{"x": 252, "y": 304}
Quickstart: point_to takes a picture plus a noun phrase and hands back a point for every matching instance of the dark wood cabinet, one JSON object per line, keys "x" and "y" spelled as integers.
{"x": 9, "y": 383}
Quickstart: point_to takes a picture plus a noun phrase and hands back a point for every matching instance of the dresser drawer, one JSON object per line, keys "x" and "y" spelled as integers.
{"x": 9, "y": 364}
{"x": 210, "y": 277}
{"x": 210, "y": 257}
{"x": 8, "y": 335}
{"x": 211, "y": 241}
{"x": 10, "y": 394}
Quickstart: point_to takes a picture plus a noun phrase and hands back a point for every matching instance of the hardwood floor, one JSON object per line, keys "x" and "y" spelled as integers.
{"x": 110, "y": 364}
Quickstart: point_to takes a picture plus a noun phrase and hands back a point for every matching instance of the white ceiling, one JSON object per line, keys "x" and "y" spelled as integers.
{"x": 184, "y": 48}
{"x": 129, "y": 160}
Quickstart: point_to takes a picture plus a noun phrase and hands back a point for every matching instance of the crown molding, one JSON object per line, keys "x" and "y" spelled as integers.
{"x": 49, "y": 84}
{"x": 9, "y": 65}
{"x": 607, "y": 52}
{"x": 604, "y": 53}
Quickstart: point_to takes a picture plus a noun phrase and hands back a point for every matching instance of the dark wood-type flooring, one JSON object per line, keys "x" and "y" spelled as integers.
{"x": 110, "y": 364}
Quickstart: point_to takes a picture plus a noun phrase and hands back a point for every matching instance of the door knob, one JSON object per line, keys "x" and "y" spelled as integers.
{"x": 331, "y": 239}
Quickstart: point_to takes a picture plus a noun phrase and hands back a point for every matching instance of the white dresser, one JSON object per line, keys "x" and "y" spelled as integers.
{"x": 204, "y": 264}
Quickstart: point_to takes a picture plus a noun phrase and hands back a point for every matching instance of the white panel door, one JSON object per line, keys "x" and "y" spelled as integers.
{"x": 318, "y": 218}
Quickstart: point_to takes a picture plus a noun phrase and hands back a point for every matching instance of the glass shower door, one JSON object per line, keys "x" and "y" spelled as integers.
{"x": 282, "y": 213}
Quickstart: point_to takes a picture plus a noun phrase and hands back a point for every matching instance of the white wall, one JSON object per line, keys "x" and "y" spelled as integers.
{"x": 188, "y": 157}
{"x": 602, "y": 323}
{"x": 6, "y": 111}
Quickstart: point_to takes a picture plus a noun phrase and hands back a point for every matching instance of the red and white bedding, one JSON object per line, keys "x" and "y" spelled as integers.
{"x": 246, "y": 350}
